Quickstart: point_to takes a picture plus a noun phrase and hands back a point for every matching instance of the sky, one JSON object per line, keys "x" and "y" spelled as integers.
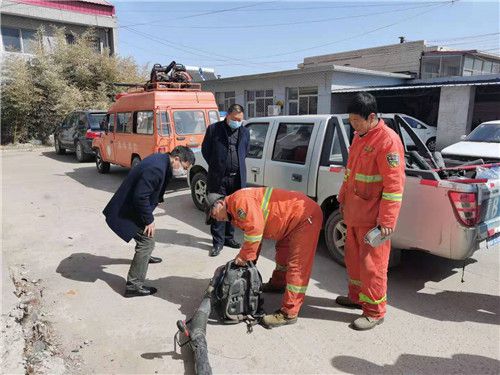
{"x": 242, "y": 37}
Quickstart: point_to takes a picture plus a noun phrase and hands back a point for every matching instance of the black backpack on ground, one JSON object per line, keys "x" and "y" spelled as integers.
{"x": 238, "y": 294}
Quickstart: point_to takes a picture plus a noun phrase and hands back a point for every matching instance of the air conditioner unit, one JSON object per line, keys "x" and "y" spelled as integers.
{"x": 273, "y": 110}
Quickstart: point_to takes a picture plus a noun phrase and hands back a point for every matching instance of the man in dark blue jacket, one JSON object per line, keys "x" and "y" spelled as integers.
{"x": 225, "y": 147}
{"x": 130, "y": 212}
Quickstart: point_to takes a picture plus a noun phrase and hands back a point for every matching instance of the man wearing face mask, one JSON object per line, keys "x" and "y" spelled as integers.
{"x": 130, "y": 212}
{"x": 225, "y": 147}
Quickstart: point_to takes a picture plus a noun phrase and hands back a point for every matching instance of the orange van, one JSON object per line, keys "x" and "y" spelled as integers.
{"x": 156, "y": 118}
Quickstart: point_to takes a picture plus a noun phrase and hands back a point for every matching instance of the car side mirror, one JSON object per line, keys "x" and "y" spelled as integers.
{"x": 462, "y": 137}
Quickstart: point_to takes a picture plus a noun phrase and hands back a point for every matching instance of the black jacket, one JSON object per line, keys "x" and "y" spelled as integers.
{"x": 214, "y": 149}
{"x": 131, "y": 208}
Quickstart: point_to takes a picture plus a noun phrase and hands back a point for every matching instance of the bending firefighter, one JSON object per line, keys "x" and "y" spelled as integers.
{"x": 291, "y": 219}
{"x": 370, "y": 196}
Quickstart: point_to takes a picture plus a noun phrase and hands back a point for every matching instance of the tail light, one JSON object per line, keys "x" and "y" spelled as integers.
{"x": 92, "y": 134}
{"x": 162, "y": 150}
{"x": 465, "y": 207}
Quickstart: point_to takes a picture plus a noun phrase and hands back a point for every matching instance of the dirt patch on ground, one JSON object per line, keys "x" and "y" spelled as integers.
{"x": 29, "y": 343}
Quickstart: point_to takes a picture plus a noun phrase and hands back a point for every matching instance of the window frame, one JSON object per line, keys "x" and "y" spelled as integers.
{"x": 253, "y": 102}
{"x": 117, "y": 130}
{"x": 273, "y": 158}
{"x": 136, "y": 123}
{"x": 260, "y": 123}
{"x": 299, "y": 97}
{"x": 189, "y": 110}
{"x": 160, "y": 123}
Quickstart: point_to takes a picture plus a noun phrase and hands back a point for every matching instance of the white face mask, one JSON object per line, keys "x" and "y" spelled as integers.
{"x": 179, "y": 172}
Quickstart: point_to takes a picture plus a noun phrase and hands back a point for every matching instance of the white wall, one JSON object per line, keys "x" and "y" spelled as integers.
{"x": 344, "y": 80}
{"x": 278, "y": 84}
{"x": 456, "y": 105}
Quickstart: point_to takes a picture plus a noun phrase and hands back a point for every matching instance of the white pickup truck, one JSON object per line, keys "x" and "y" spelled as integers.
{"x": 446, "y": 211}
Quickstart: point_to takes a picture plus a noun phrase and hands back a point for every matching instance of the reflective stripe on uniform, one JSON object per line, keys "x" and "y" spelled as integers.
{"x": 365, "y": 298}
{"x": 296, "y": 288}
{"x": 396, "y": 197}
{"x": 281, "y": 267}
{"x": 265, "y": 202}
{"x": 355, "y": 282}
{"x": 368, "y": 178}
{"x": 248, "y": 238}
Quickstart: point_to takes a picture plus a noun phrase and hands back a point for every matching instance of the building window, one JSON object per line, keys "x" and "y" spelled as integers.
{"x": 258, "y": 102}
{"x": 19, "y": 40}
{"x": 225, "y": 99}
{"x": 302, "y": 100}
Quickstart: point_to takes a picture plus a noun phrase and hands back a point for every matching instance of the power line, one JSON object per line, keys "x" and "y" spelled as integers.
{"x": 199, "y": 14}
{"x": 361, "y": 34}
{"x": 462, "y": 38}
{"x": 254, "y": 26}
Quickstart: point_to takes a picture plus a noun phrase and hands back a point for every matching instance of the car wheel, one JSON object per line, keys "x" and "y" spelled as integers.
{"x": 135, "y": 161}
{"x": 80, "y": 155}
{"x": 59, "y": 149}
{"x": 101, "y": 165}
{"x": 431, "y": 144}
{"x": 199, "y": 190}
{"x": 335, "y": 236}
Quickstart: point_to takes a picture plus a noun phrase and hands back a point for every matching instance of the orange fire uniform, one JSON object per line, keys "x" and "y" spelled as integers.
{"x": 371, "y": 195}
{"x": 291, "y": 219}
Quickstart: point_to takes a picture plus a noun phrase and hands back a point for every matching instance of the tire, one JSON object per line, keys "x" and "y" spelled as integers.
{"x": 199, "y": 190}
{"x": 335, "y": 236}
{"x": 102, "y": 166}
{"x": 59, "y": 149}
{"x": 431, "y": 144}
{"x": 80, "y": 154}
{"x": 135, "y": 161}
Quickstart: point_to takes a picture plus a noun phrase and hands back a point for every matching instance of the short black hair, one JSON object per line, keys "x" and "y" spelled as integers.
{"x": 235, "y": 108}
{"x": 363, "y": 104}
{"x": 185, "y": 154}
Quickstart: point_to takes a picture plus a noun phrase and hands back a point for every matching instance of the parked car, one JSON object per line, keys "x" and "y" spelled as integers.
{"x": 425, "y": 132}
{"x": 448, "y": 213}
{"x": 156, "y": 118}
{"x": 77, "y": 132}
{"x": 482, "y": 143}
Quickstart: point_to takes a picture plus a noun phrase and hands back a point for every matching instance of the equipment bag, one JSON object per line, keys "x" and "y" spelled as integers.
{"x": 238, "y": 294}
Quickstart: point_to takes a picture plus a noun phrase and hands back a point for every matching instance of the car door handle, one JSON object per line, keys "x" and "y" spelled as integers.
{"x": 181, "y": 138}
{"x": 296, "y": 177}
{"x": 256, "y": 169}
{"x": 110, "y": 142}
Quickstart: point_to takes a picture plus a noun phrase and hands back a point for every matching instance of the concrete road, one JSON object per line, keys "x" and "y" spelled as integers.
{"x": 52, "y": 223}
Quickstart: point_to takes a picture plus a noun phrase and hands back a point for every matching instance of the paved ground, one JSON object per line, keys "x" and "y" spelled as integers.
{"x": 52, "y": 224}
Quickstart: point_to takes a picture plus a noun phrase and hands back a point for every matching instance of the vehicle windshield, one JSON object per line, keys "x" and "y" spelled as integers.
{"x": 189, "y": 122}
{"x": 485, "y": 133}
{"x": 95, "y": 120}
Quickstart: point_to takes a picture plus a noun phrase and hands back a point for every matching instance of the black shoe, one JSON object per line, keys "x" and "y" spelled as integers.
{"x": 232, "y": 243}
{"x": 214, "y": 251}
{"x": 140, "y": 291}
{"x": 153, "y": 260}
{"x": 347, "y": 302}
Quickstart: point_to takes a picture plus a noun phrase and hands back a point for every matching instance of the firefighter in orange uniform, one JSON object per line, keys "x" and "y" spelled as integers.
{"x": 370, "y": 196}
{"x": 290, "y": 218}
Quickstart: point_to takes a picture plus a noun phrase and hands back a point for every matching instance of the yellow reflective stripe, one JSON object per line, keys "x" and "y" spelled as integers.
{"x": 368, "y": 178}
{"x": 365, "y": 298}
{"x": 248, "y": 238}
{"x": 396, "y": 197}
{"x": 265, "y": 203}
{"x": 281, "y": 267}
{"x": 355, "y": 282}
{"x": 296, "y": 288}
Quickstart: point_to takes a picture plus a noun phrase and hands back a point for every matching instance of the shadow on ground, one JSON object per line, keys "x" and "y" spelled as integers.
{"x": 420, "y": 365}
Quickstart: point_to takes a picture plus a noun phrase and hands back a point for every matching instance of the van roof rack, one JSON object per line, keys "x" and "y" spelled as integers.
{"x": 166, "y": 86}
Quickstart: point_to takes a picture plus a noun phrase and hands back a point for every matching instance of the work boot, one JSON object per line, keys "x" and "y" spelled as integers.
{"x": 347, "y": 302}
{"x": 214, "y": 251}
{"x": 232, "y": 243}
{"x": 153, "y": 260}
{"x": 364, "y": 323}
{"x": 270, "y": 288}
{"x": 139, "y": 291}
{"x": 277, "y": 319}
